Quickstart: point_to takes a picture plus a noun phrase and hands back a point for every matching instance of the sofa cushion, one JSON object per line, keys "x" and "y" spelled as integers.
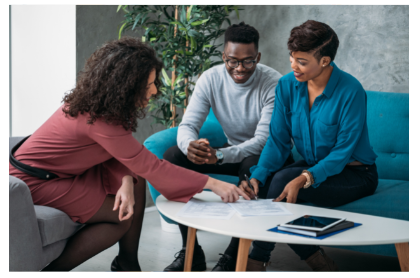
{"x": 54, "y": 225}
{"x": 390, "y": 200}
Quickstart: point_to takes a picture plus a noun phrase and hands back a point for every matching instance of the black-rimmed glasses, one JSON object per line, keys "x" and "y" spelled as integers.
{"x": 248, "y": 64}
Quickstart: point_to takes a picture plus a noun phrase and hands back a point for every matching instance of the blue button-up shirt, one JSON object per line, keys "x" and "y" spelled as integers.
{"x": 330, "y": 135}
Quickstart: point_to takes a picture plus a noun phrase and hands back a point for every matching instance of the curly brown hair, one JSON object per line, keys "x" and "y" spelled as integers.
{"x": 113, "y": 80}
{"x": 314, "y": 36}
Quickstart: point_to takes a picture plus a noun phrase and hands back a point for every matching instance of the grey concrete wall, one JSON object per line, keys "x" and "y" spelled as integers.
{"x": 373, "y": 39}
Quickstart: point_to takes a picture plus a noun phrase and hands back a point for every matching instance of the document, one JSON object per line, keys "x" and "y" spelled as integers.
{"x": 260, "y": 207}
{"x": 200, "y": 209}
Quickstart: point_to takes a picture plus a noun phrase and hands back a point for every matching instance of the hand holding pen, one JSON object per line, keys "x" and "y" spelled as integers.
{"x": 250, "y": 187}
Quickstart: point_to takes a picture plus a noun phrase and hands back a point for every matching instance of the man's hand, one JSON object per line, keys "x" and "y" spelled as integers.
{"x": 212, "y": 158}
{"x": 248, "y": 191}
{"x": 124, "y": 199}
{"x": 199, "y": 152}
{"x": 291, "y": 190}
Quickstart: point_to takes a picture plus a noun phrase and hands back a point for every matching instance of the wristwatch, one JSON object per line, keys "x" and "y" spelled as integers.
{"x": 219, "y": 156}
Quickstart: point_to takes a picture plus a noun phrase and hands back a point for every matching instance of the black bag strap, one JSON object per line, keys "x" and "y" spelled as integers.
{"x": 39, "y": 173}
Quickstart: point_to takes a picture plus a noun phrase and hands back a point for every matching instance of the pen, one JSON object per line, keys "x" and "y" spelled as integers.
{"x": 252, "y": 188}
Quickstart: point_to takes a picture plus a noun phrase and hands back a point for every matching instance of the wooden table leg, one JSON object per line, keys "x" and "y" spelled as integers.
{"x": 402, "y": 251}
{"x": 243, "y": 251}
{"x": 190, "y": 249}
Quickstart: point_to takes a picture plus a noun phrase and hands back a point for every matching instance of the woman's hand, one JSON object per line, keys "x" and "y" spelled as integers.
{"x": 245, "y": 188}
{"x": 125, "y": 199}
{"x": 291, "y": 190}
{"x": 227, "y": 191}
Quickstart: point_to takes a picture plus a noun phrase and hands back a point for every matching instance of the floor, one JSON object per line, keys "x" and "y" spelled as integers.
{"x": 157, "y": 249}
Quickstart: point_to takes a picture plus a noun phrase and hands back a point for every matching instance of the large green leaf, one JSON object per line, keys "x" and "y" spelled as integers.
{"x": 200, "y": 22}
{"x": 166, "y": 77}
{"x": 193, "y": 43}
{"x": 143, "y": 20}
{"x": 178, "y": 79}
{"x": 193, "y": 33}
{"x": 189, "y": 13}
{"x": 236, "y": 11}
{"x": 177, "y": 23}
{"x": 183, "y": 17}
{"x": 123, "y": 7}
{"x": 136, "y": 20}
{"x": 121, "y": 29}
{"x": 193, "y": 20}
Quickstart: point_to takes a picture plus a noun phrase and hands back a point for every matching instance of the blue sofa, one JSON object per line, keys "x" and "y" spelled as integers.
{"x": 388, "y": 121}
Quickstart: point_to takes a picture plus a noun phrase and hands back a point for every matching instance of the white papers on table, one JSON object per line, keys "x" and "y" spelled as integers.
{"x": 260, "y": 207}
{"x": 200, "y": 209}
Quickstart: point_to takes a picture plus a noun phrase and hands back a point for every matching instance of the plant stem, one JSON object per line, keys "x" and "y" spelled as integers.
{"x": 172, "y": 106}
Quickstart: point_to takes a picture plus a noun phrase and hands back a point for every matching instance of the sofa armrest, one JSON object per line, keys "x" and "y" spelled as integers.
{"x": 25, "y": 246}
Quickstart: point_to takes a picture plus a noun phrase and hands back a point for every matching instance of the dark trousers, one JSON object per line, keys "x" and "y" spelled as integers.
{"x": 177, "y": 157}
{"x": 353, "y": 183}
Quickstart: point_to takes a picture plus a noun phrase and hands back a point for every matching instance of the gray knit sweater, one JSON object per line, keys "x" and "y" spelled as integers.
{"x": 243, "y": 110}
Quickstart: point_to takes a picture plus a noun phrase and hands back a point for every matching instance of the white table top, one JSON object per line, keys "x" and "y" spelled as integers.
{"x": 374, "y": 230}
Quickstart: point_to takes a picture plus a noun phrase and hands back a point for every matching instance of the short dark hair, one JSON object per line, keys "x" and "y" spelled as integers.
{"x": 314, "y": 36}
{"x": 242, "y": 33}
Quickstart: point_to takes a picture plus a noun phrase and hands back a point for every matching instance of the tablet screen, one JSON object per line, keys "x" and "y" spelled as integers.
{"x": 313, "y": 221}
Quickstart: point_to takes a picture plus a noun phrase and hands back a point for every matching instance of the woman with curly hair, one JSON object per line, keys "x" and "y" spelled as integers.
{"x": 99, "y": 167}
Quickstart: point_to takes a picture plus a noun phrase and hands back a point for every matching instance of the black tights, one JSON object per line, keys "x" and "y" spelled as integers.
{"x": 102, "y": 231}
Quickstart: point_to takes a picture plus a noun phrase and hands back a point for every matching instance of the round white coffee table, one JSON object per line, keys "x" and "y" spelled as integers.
{"x": 374, "y": 230}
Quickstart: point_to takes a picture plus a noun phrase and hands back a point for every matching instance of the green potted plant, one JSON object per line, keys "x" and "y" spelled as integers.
{"x": 184, "y": 38}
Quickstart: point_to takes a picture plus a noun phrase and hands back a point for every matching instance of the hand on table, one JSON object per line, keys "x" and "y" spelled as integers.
{"x": 200, "y": 152}
{"x": 248, "y": 191}
{"x": 227, "y": 191}
{"x": 124, "y": 199}
{"x": 290, "y": 192}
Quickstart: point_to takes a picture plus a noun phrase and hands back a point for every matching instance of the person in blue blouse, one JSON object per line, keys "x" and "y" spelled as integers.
{"x": 323, "y": 109}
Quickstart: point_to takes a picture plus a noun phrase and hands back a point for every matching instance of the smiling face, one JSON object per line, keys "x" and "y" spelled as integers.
{"x": 241, "y": 52}
{"x": 306, "y": 67}
{"x": 150, "y": 89}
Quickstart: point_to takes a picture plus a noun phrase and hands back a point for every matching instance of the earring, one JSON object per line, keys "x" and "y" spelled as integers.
{"x": 323, "y": 65}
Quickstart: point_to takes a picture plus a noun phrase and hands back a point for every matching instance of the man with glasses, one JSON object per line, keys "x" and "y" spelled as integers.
{"x": 241, "y": 95}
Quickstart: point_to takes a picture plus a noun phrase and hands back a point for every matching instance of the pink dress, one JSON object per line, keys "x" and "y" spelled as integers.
{"x": 90, "y": 161}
